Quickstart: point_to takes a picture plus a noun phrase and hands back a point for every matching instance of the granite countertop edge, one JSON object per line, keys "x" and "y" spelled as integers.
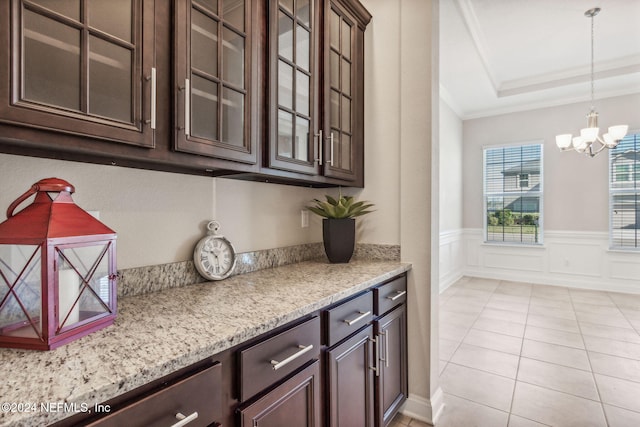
{"x": 159, "y": 333}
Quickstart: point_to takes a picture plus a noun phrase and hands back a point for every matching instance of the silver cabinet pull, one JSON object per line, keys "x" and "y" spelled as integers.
{"x": 357, "y": 319}
{"x": 152, "y": 79}
{"x": 386, "y": 349}
{"x": 183, "y": 420}
{"x": 277, "y": 365}
{"x": 320, "y": 140}
{"x": 397, "y": 295}
{"x": 376, "y": 358}
{"x": 187, "y": 107}
{"x": 331, "y": 149}
{"x": 153, "y": 97}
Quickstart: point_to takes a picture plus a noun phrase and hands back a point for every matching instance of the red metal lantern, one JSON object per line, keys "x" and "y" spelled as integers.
{"x": 57, "y": 270}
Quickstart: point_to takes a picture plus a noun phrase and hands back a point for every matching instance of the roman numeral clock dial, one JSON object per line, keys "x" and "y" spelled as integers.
{"x": 214, "y": 255}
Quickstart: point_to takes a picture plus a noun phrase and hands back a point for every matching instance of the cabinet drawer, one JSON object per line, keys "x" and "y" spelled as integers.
{"x": 390, "y": 295}
{"x": 198, "y": 394}
{"x": 272, "y": 359}
{"x": 348, "y": 317}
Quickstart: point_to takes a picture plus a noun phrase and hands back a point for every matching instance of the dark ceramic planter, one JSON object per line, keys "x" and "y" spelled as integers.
{"x": 339, "y": 236}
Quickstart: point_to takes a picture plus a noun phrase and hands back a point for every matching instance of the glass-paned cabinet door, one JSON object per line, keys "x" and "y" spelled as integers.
{"x": 292, "y": 143}
{"x": 212, "y": 79}
{"x": 342, "y": 105}
{"x": 82, "y": 66}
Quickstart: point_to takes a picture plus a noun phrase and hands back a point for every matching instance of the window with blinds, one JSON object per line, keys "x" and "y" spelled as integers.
{"x": 624, "y": 193}
{"x": 513, "y": 194}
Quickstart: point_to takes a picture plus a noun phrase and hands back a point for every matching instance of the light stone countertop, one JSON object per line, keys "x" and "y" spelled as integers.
{"x": 159, "y": 333}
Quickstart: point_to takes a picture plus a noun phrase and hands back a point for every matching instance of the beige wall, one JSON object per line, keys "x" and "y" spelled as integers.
{"x": 450, "y": 145}
{"x": 575, "y": 187}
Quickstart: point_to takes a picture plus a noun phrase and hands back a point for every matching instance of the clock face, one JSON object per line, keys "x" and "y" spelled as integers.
{"x": 214, "y": 257}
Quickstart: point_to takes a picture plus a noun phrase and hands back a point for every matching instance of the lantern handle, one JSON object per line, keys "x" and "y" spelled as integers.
{"x": 48, "y": 184}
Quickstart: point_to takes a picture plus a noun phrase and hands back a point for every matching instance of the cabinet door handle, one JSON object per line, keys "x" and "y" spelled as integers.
{"x": 397, "y": 295}
{"x": 152, "y": 81}
{"x": 187, "y": 107}
{"x": 330, "y": 161}
{"x": 277, "y": 365}
{"x": 376, "y": 358}
{"x": 183, "y": 420}
{"x": 320, "y": 140}
{"x": 357, "y": 319}
{"x": 386, "y": 349}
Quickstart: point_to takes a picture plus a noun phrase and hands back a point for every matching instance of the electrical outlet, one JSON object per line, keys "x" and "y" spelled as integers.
{"x": 304, "y": 218}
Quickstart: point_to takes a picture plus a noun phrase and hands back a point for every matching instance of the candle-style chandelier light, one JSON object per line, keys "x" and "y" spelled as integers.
{"x": 585, "y": 143}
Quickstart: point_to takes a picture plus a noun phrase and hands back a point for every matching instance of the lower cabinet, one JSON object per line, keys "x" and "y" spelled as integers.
{"x": 342, "y": 366}
{"x": 350, "y": 381}
{"x": 294, "y": 403}
{"x": 366, "y": 366}
{"x": 391, "y": 381}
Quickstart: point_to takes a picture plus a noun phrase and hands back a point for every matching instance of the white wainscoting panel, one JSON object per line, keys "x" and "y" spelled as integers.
{"x": 567, "y": 258}
{"x": 452, "y": 259}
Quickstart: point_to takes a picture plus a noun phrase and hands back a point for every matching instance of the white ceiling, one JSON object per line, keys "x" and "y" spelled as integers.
{"x": 499, "y": 56}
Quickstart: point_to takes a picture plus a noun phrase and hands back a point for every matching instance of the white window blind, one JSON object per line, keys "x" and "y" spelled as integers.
{"x": 624, "y": 193}
{"x": 513, "y": 194}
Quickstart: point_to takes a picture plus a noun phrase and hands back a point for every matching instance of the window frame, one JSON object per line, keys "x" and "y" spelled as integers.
{"x": 539, "y": 193}
{"x": 612, "y": 192}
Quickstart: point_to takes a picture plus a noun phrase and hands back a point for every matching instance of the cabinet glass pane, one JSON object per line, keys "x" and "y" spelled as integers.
{"x": 346, "y": 40}
{"x": 204, "y": 43}
{"x": 302, "y": 47}
{"x": 303, "y": 12}
{"x": 345, "y": 152}
{"x": 212, "y": 5}
{"x": 233, "y": 13}
{"x": 285, "y": 85}
{"x": 110, "y": 70}
{"x": 302, "y": 139}
{"x": 232, "y": 117}
{"x": 346, "y": 77}
{"x": 335, "y": 70}
{"x": 233, "y": 57}
{"x": 69, "y": 8}
{"x": 334, "y": 30}
{"x": 346, "y": 114}
{"x": 51, "y": 62}
{"x": 302, "y": 93}
{"x": 113, "y": 17}
{"x": 204, "y": 108}
{"x": 335, "y": 109}
{"x": 287, "y": 4}
{"x": 285, "y": 134}
{"x": 285, "y": 36}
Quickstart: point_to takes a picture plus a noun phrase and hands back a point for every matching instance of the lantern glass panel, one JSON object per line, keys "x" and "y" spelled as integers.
{"x": 20, "y": 291}
{"x": 84, "y": 290}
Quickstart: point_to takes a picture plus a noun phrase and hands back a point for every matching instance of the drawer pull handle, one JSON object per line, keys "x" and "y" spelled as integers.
{"x": 183, "y": 420}
{"x": 398, "y": 295}
{"x": 277, "y": 365}
{"x": 376, "y": 357}
{"x": 363, "y": 315}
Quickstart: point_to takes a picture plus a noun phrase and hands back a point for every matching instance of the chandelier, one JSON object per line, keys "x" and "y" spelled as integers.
{"x": 585, "y": 143}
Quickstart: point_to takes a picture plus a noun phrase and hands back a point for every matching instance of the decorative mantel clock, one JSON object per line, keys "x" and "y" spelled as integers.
{"x": 214, "y": 255}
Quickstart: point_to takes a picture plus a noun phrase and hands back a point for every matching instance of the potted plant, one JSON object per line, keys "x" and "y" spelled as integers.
{"x": 339, "y": 225}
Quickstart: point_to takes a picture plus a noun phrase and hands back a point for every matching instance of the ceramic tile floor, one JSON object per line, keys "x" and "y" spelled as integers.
{"x": 515, "y": 354}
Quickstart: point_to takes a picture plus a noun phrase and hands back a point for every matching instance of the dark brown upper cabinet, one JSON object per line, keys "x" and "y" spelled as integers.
{"x": 316, "y": 88}
{"x": 84, "y": 67}
{"x": 213, "y": 79}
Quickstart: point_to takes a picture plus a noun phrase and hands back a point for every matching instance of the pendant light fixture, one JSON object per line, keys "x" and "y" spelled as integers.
{"x": 591, "y": 134}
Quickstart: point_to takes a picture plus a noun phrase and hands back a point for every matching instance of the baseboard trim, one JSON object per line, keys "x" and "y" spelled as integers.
{"x": 426, "y": 410}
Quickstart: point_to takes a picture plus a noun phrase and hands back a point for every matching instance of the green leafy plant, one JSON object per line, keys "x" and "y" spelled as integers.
{"x": 342, "y": 207}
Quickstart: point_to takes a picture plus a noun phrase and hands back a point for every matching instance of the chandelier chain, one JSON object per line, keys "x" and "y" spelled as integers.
{"x": 592, "y": 59}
